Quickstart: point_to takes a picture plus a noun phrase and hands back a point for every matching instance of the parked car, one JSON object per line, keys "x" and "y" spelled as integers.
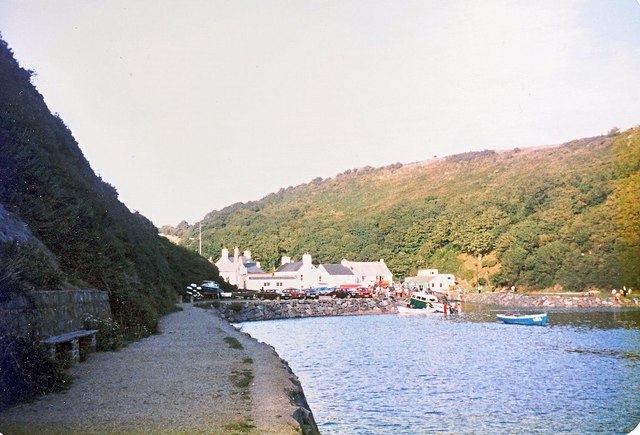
{"x": 324, "y": 291}
{"x": 296, "y": 293}
{"x": 245, "y": 294}
{"x": 313, "y": 293}
{"x": 285, "y": 294}
{"x": 343, "y": 293}
{"x": 268, "y": 294}
{"x": 364, "y": 292}
{"x": 272, "y": 294}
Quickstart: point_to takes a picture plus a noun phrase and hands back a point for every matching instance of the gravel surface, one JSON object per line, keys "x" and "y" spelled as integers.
{"x": 199, "y": 375}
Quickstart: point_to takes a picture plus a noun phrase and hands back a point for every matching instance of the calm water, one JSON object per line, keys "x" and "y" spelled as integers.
{"x": 465, "y": 374}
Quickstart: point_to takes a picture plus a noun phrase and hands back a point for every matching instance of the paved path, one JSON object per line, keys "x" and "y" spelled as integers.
{"x": 187, "y": 379}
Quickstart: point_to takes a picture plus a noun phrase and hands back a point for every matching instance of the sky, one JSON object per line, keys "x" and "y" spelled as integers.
{"x": 190, "y": 106}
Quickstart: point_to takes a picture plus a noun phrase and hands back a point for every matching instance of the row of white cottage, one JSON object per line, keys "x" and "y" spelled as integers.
{"x": 244, "y": 272}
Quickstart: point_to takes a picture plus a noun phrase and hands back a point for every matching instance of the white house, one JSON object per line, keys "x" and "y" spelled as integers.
{"x": 268, "y": 281}
{"x": 370, "y": 273}
{"x": 305, "y": 273}
{"x": 432, "y": 280}
{"x": 335, "y": 275}
{"x": 236, "y": 270}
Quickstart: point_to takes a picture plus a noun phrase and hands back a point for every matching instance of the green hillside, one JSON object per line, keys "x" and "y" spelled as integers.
{"x": 564, "y": 215}
{"x": 88, "y": 237}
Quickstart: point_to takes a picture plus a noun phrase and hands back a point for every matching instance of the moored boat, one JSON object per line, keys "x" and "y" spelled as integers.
{"x": 412, "y": 310}
{"x": 422, "y": 300}
{"x": 523, "y": 319}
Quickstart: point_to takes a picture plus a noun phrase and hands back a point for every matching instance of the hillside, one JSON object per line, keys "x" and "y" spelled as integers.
{"x": 64, "y": 227}
{"x": 563, "y": 215}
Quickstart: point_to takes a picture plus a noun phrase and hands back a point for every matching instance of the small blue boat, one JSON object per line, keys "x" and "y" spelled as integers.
{"x": 524, "y": 319}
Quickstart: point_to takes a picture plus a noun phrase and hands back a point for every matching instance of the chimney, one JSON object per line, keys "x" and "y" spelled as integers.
{"x": 225, "y": 253}
{"x": 306, "y": 259}
{"x": 258, "y": 265}
{"x": 236, "y": 254}
{"x": 285, "y": 260}
{"x": 247, "y": 254}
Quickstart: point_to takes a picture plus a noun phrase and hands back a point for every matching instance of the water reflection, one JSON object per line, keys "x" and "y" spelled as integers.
{"x": 466, "y": 373}
{"x": 583, "y": 318}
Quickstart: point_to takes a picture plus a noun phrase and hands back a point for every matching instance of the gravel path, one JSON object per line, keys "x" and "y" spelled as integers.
{"x": 199, "y": 375}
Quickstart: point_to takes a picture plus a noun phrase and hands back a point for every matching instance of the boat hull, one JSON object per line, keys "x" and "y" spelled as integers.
{"x": 523, "y": 319}
{"x": 410, "y": 310}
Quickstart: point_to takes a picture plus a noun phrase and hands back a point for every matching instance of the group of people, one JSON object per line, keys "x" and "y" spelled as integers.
{"x": 617, "y": 294}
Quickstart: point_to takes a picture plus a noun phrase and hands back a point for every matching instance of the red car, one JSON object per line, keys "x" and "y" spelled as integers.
{"x": 365, "y": 292}
{"x": 296, "y": 293}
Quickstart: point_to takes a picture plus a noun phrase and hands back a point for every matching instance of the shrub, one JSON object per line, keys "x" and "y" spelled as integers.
{"x": 489, "y": 262}
{"x": 110, "y": 335}
{"x": 236, "y": 306}
{"x": 24, "y": 267}
{"x": 27, "y": 370}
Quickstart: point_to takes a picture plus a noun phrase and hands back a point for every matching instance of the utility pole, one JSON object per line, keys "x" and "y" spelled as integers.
{"x": 478, "y": 274}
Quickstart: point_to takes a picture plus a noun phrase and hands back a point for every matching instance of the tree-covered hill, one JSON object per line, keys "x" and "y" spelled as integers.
{"x": 566, "y": 215}
{"x": 91, "y": 238}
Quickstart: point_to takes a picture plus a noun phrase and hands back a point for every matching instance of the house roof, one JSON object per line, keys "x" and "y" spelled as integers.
{"x": 369, "y": 268}
{"x": 230, "y": 266}
{"x": 290, "y": 267}
{"x": 337, "y": 269}
{"x": 252, "y": 267}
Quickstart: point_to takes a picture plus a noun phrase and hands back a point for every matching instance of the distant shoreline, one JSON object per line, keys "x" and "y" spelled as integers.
{"x": 542, "y": 301}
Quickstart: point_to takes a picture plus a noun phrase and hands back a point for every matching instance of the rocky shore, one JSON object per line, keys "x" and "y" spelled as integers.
{"x": 521, "y": 300}
{"x": 199, "y": 375}
{"x": 252, "y": 310}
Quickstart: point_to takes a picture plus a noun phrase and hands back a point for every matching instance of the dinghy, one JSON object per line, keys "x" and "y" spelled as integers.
{"x": 523, "y": 319}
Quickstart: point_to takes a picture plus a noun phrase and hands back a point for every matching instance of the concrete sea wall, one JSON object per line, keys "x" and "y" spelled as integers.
{"x": 519, "y": 300}
{"x": 47, "y": 313}
{"x": 252, "y": 310}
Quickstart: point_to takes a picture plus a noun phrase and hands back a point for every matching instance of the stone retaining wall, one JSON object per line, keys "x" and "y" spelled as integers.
{"x": 248, "y": 311}
{"x": 519, "y": 300}
{"x": 47, "y": 313}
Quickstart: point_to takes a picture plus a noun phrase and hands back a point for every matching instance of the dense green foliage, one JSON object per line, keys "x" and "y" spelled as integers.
{"x": 36, "y": 374}
{"x": 46, "y": 181}
{"x": 535, "y": 218}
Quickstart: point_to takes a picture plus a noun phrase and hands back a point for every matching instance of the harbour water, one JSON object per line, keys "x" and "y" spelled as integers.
{"x": 465, "y": 374}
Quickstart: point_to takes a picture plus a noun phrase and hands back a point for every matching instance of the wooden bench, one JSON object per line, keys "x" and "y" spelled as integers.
{"x": 69, "y": 344}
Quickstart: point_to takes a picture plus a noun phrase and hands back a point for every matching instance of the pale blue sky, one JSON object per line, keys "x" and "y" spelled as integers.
{"x": 190, "y": 106}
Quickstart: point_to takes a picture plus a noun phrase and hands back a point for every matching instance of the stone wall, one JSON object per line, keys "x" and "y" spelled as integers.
{"x": 247, "y": 311}
{"x": 519, "y": 300}
{"x": 47, "y": 313}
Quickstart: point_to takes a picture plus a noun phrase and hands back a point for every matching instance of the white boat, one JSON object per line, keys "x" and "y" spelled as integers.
{"x": 438, "y": 307}
{"x": 412, "y": 310}
{"x": 421, "y": 299}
